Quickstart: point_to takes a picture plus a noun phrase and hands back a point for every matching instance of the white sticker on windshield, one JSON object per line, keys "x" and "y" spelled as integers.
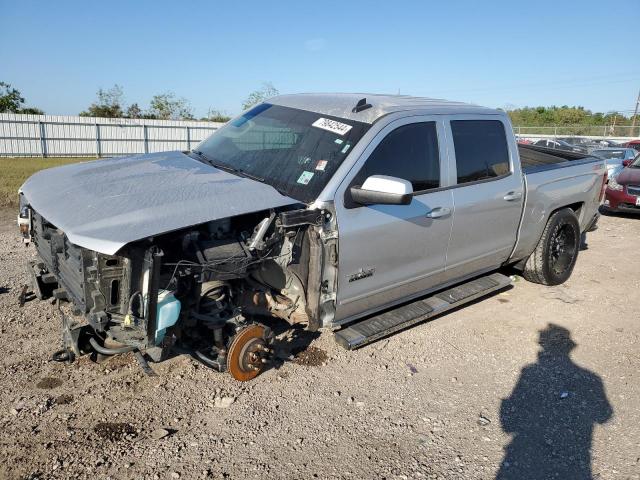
{"x": 305, "y": 177}
{"x": 321, "y": 165}
{"x": 339, "y": 141}
{"x": 332, "y": 126}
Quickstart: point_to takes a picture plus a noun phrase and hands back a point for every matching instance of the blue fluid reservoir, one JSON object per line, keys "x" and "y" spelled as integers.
{"x": 167, "y": 314}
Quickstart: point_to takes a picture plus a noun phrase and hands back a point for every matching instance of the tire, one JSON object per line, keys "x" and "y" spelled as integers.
{"x": 552, "y": 262}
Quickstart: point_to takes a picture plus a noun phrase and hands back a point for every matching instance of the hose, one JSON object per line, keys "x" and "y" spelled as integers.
{"x": 63, "y": 355}
{"x": 109, "y": 351}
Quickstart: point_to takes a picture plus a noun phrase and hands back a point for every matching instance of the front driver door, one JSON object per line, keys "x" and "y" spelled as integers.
{"x": 390, "y": 252}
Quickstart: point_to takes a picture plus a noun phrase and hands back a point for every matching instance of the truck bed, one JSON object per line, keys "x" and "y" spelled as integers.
{"x": 534, "y": 158}
{"x": 553, "y": 179}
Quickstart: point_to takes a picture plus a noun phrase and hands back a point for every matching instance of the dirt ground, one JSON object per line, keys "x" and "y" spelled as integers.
{"x": 533, "y": 382}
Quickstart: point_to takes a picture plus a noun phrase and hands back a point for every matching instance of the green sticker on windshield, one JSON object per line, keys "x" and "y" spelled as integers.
{"x": 305, "y": 177}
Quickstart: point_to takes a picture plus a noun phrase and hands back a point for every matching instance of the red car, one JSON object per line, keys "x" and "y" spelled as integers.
{"x": 635, "y": 144}
{"x": 623, "y": 190}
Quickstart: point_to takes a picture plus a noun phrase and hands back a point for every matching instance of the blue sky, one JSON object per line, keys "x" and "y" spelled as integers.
{"x": 58, "y": 53}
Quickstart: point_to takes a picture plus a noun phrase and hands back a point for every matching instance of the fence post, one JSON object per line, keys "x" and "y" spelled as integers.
{"x": 43, "y": 140}
{"x": 145, "y": 137}
{"x": 188, "y": 138}
{"x": 98, "y": 149}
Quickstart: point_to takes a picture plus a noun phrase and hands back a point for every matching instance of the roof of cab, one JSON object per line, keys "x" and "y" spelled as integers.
{"x": 342, "y": 104}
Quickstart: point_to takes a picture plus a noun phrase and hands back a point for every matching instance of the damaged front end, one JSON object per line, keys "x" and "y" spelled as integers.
{"x": 209, "y": 289}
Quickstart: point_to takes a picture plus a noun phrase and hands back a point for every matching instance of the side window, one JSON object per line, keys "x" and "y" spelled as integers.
{"x": 481, "y": 149}
{"x": 409, "y": 152}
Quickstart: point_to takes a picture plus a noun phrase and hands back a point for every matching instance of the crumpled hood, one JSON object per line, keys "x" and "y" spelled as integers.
{"x": 103, "y": 205}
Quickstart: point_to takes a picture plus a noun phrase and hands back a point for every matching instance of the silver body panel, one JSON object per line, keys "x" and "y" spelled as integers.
{"x": 488, "y": 227}
{"x": 570, "y": 183}
{"x": 394, "y": 252}
{"x": 105, "y": 204}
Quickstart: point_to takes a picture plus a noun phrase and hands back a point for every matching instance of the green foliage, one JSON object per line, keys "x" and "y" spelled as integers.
{"x": 134, "y": 111}
{"x": 166, "y": 106}
{"x": 216, "y": 116}
{"x": 564, "y": 115}
{"x": 31, "y": 111}
{"x": 110, "y": 104}
{"x": 259, "y": 96}
{"x": 11, "y": 101}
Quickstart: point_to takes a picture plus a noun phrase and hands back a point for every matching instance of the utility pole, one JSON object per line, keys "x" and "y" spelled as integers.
{"x": 635, "y": 113}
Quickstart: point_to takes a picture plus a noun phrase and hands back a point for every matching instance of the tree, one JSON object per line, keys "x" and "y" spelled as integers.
{"x": 166, "y": 106}
{"x": 31, "y": 111}
{"x": 259, "y": 96}
{"x": 216, "y": 116}
{"x": 110, "y": 104}
{"x": 11, "y": 101}
{"x": 134, "y": 111}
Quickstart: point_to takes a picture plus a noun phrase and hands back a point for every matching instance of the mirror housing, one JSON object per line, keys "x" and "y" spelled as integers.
{"x": 626, "y": 163}
{"x": 382, "y": 190}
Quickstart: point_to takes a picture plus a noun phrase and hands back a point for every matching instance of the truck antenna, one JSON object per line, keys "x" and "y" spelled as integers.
{"x": 361, "y": 105}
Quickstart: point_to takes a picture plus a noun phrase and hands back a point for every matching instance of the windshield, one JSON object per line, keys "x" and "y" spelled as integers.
{"x": 609, "y": 154}
{"x": 295, "y": 151}
{"x": 636, "y": 162}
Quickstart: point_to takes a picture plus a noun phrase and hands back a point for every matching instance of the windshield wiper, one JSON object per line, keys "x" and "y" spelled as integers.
{"x": 237, "y": 171}
{"x": 201, "y": 155}
{"x": 250, "y": 175}
{"x": 213, "y": 163}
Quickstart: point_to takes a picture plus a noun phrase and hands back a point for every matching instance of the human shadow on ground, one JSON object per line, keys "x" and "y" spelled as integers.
{"x": 551, "y": 413}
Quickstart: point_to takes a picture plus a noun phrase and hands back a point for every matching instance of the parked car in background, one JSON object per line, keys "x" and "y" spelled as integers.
{"x": 635, "y": 144}
{"x": 615, "y": 158}
{"x": 623, "y": 191}
{"x": 560, "y": 145}
{"x": 576, "y": 141}
{"x": 605, "y": 143}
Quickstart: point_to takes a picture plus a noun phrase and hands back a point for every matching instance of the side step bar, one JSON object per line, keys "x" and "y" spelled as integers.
{"x": 392, "y": 321}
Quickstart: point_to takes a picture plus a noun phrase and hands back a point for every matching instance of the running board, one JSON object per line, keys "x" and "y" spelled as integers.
{"x": 392, "y": 321}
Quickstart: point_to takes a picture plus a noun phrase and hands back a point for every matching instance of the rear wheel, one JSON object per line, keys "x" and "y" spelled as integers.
{"x": 552, "y": 262}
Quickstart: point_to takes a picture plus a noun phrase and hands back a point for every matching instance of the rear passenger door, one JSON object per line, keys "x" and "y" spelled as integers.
{"x": 487, "y": 196}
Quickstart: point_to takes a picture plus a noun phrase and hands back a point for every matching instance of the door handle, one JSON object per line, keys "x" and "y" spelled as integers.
{"x": 511, "y": 196}
{"x": 438, "y": 212}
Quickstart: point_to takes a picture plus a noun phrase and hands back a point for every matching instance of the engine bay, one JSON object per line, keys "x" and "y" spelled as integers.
{"x": 210, "y": 289}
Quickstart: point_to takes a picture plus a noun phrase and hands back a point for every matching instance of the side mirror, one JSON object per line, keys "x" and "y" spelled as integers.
{"x": 626, "y": 163}
{"x": 383, "y": 190}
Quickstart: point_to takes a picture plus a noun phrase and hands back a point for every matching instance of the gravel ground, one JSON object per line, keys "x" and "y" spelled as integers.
{"x": 474, "y": 394}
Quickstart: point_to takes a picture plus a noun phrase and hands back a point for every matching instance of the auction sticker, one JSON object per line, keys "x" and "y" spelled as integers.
{"x": 305, "y": 177}
{"x": 321, "y": 165}
{"x": 332, "y": 126}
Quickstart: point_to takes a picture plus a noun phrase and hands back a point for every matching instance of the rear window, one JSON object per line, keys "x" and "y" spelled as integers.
{"x": 481, "y": 149}
{"x": 609, "y": 154}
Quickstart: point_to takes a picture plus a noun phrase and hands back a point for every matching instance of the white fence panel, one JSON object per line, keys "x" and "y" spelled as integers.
{"x": 71, "y": 136}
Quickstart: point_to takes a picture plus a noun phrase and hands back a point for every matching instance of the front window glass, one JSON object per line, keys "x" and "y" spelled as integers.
{"x": 295, "y": 151}
{"x": 409, "y": 152}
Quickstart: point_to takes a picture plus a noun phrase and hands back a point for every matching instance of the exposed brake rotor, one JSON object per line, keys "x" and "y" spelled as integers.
{"x": 249, "y": 352}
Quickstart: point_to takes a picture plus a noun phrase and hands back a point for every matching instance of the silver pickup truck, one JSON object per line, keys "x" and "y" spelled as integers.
{"x": 323, "y": 210}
